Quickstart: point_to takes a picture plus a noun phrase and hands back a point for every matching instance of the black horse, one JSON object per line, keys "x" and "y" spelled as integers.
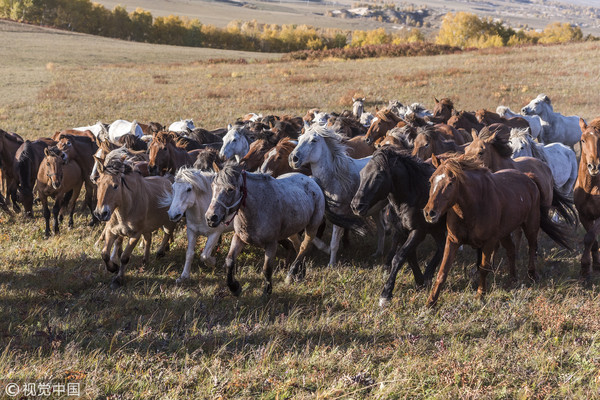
{"x": 404, "y": 180}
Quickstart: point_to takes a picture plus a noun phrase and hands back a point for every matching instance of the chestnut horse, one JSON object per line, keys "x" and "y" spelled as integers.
{"x": 9, "y": 143}
{"x": 430, "y": 141}
{"x": 56, "y": 177}
{"x": 465, "y": 120}
{"x": 585, "y": 194}
{"x": 265, "y": 141}
{"x": 75, "y": 132}
{"x": 482, "y": 209}
{"x": 442, "y": 111}
{"x": 276, "y": 161}
{"x": 488, "y": 117}
{"x": 384, "y": 121}
{"x": 131, "y": 205}
{"x": 166, "y": 156}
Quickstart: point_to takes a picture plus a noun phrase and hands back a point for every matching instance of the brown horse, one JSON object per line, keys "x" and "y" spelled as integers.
{"x": 430, "y": 141}
{"x": 56, "y": 177}
{"x": 491, "y": 146}
{"x": 347, "y": 126}
{"x": 74, "y": 132}
{"x": 167, "y": 156}
{"x": 28, "y": 159}
{"x": 9, "y": 143}
{"x": 384, "y": 121}
{"x": 488, "y": 117}
{"x": 586, "y": 193}
{"x": 265, "y": 141}
{"x": 276, "y": 161}
{"x": 358, "y": 147}
{"x": 391, "y": 141}
{"x": 465, "y": 120}
{"x": 81, "y": 150}
{"x": 482, "y": 209}
{"x": 442, "y": 111}
{"x": 131, "y": 205}
{"x": 207, "y": 158}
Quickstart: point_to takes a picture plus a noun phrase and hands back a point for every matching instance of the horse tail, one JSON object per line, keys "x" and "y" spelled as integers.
{"x": 559, "y": 233}
{"x": 564, "y": 206}
{"x": 354, "y": 223}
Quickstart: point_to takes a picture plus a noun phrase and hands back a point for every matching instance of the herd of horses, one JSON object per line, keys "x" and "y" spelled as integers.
{"x": 482, "y": 179}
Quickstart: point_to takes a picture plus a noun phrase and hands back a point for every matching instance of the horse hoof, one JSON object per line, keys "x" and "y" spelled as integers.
{"x": 160, "y": 254}
{"x": 182, "y": 280}
{"x": 267, "y": 290}
{"x": 376, "y": 254}
{"x": 115, "y": 284}
{"x": 384, "y": 302}
{"x": 235, "y": 288}
{"x": 533, "y": 276}
{"x": 596, "y": 266}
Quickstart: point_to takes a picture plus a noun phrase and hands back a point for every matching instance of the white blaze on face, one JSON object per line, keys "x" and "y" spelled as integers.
{"x": 437, "y": 180}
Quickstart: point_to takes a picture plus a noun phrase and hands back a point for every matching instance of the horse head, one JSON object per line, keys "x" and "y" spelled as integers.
{"x": 590, "y": 145}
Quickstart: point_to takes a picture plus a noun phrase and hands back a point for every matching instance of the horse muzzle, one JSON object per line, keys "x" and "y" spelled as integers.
{"x": 213, "y": 220}
{"x": 360, "y": 209}
{"x": 176, "y": 217}
{"x": 431, "y": 216}
{"x": 525, "y": 111}
{"x": 103, "y": 214}
{"x": 294, "y": 161}
{"x": 593, "y": 169}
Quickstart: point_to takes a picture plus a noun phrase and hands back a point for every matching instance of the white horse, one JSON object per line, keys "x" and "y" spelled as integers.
{"x": 560, "y": 158}
{"x": 120, "y": 128}
{"x": 191, "y": 197}
{"x": 415, "y": 108}
{"x": 321, "y": 118}
{"x": 555, "y": 126}
{"x": 236, "y": 142}
{"x": 534, "y": 121}
{"x": 96, "y": 129}
{"x": 182, "y": 126}
{"x": 338, "y": 175}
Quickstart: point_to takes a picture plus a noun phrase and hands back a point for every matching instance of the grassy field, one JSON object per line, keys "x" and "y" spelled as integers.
{"x": 324, "y": 337}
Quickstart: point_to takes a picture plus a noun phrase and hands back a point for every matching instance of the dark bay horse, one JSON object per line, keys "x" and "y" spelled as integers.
{"x": 482, "y": 209}
{"x": 207, "y": 158}
{"x": 28, "y": 159}
{"x": 430, "y": 141}
{"x": 489, "y": 117}
{"x": 465, "y": 120}
{"x": 404, "y": 180}
{"x": 585, "y": 194}
{"x": 9, "y": 144}
{"x": 165, "y": 155}
{"x": 265, "y": 141}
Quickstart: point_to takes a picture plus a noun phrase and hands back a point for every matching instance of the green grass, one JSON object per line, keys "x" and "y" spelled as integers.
{"x": 324, "y": 337}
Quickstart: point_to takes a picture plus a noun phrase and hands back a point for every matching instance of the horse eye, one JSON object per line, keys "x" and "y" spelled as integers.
{"x": 68, "y": 143}
{"x": 115, "y": 186}
{"x": 229, "y": 190}
{"x": 314, "y": 140}
{"x": 189, "y": 189}
{"x": 426, "y": 145}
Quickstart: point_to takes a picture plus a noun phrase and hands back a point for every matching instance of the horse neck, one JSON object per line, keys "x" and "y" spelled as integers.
{"x": 178, "y": 157}
{"x": 407, "y": 188}
{"x": 584, "y": 179}
{"x": 129, "y": 205}
{"x": 469, "y": 198}
{"x": 323, "y": 170}
{"x": 499, "y": 162}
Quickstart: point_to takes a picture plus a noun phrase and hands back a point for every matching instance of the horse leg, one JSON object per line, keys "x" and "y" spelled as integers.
{"x": 440, "y": 240}
{"x": 487, "y": 253}
{"x": 270, "y": 252}
{"x": 396, "y": 237}
{"x": 4, "y": 207}
{"x": 414, "y": 238}
{"x": 107, "y": 254}
{"x": 164, "y": 245}
{"x": 447, "y": 260}
{"x": 90, "y": 200}
{"x": 297, "y": 269}
{"x": 234, "y": 250}
{"x": 289, "y": 245}
{"x": 55, "y": 212}
{"x": 147, "y": 247}
{"x": 336, "y": 236}
{"x": 595, "y": 256}
{"x": 380, "y": 233}
{"x": 511, "y": 253}
{"x": 192, "y": 237}
{"x": 46, "y": 213}
{"x": 72, "y": 203}
{"x": 115, "y": 254}
{"x": 592, "y": 228}
{"x": 118, "y": 280}
{"x": 211, "y": 241}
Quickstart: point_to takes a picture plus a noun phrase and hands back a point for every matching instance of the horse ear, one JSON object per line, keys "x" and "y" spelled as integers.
{"x": 353, "y": 100}
{"x": 436, "y": 100}
{"x": 216, "y": 167}
{"x": 46, "y": 152}
{"x": 100, "y": 163}
{"x": 363, "y": 99}
{"x": 376, "y": 109}
{"x": 229, "y": 126}
{"x": 474, "y": 133}
{"x": 582, "y": 124}
{"x": 546, "y": 99}
{"x": 133, "y": 127}
{"x": 435, "y": 161}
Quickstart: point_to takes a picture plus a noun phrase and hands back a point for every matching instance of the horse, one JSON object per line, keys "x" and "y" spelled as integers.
{"x": 286, "y": 128}
{"x": 166, "y": 157}
{"x": 56, "y": 177}
{"x": 383, "y": 122}
{"x": 131, "y": 205}
{"x": 560, "y": 158}
{"x": 555, "y": 126}
{"x": 132, "y": 142}
{"x": 80, "y": 149}
{"x": 206, "y": 158}
{"x": 492, "y": 148}
{"x": 392, "y": 141}
{"x": 404, "y": 180}
{"x": 236, "y": 142}
{"x": 99, "y": 130}
{"x": 9, "y": 144}
{"x": 190, "y": 196}
{"x": 121, "y": 127}
{"x": 337, "y": 173}
{"x": 266, "y": 210}
{"x": 358, "y": 107}
{"x": 534, "y": 121}
{"x": 442, "y": 111}
{"x": 74, "y": 132}
{"x": 347, "y": 127}
{"x": 358, "y": 147}
{"x": 416, "y": 109}
{"x": 28, "y": 159}
{"x": 264, "y": 142}
{"x": 207, "y": 138}
{"x": 182, "y": 126}
{"x": 482, "y": 209}
{"x": 488, "y": 117}
{"x": 465, "y": 120}
{"x": 430, "y": 141}
{"x": 276, "y": 161}
{"x": 585, "y": 194}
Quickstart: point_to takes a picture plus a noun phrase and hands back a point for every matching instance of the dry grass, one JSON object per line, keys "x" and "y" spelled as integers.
{"x": 324, "y": 337}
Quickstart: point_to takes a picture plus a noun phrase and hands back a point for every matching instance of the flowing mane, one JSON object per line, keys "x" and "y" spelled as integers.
{"x": 193, "y": 177}
{"x": 497, "y": 135}
{"x": 387, "y": 115}
{"x": 458, "y": 165}
{"x": 523, "y": 136}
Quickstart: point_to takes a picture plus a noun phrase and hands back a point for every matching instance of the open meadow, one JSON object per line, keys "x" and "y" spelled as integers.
{"x": 324, "y": 337}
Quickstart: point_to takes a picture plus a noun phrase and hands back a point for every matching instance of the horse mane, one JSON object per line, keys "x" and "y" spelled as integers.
{"x": 205, "y": 159}
{"x": 595, "y": 124}
{"x": 537, "y": 150}
{"x": 500, "y": 139}
{"x": 192, "y": 176}
{"x": 116, "y": 166}
{"x": 458, "y": 165}
{"x": 446, "y": 101}
{"x": 13, "y": 137}
{"x": 54, "y": 151}
{"x": 164, "y": 137}
{"x": 287, "y": 144}
{"x": 387, "y": 115}
{"x": 228, "y": 175}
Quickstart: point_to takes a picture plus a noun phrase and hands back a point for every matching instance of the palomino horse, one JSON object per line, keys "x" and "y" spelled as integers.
{"x": 560, "y": 158}
{"x": 488, "y": 117}
{"x": 276, "y": 161}
{"x": 430, "y": 141}
{"x": 165, "y": 156}
{"x": 9, "y": 143}
{"x": 534, "y": 121}
{"x": 191, "y": 196}
{"x": 404, "y": 180}
{"x": 585, "y": 194}
{"x": 80, "y": 149}
{"x": 265, "y": 210}
{"x": 555, "y": 126}
{"x": 236, "y": 142}
{"x": 492, "y": 148}
{"x": 383, "y": 122}
{"x": 131, "y": 205}
{"x": 57, "y": 177}
{"x": 338, "y": 174}
{"x": 482, "y": 209}
{"x": 28, "y": 159}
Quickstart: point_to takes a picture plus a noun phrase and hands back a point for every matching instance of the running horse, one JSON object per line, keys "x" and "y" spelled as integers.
{"x": 9, "y": 143}
{"x": 384, "y": 121}
{"x": 482, "y": 209}
{"x": 166, "y": 156}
